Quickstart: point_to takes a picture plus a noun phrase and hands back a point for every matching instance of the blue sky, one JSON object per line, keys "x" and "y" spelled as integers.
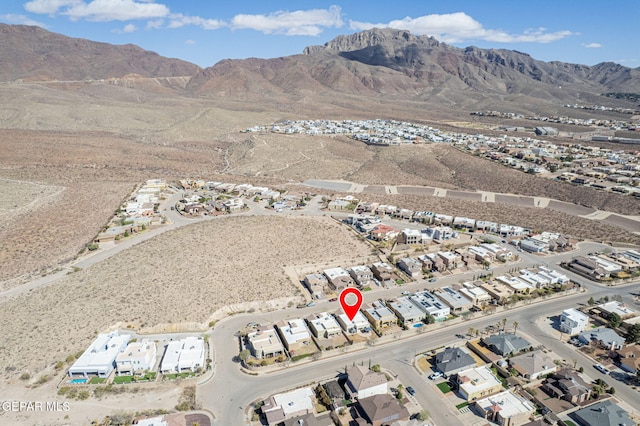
{"x": 207, "y": 31}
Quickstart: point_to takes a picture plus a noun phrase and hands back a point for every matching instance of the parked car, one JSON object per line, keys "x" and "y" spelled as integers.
{"x": 334, "y": 299}
{"x": 601, "y": 368}
{"x": 406, "y": 293}
{"x": 432, "y": 280}
{"x": 310, "y": 304}
{"x": 435, "y": 375}
{"x": 411, "y": 390}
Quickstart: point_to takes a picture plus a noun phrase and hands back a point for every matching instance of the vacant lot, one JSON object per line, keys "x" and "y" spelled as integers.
{"x": 182, "y": 276}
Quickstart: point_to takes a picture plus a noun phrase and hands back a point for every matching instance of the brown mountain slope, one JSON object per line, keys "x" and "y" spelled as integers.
{"x": 399, "y": 65}
{"x": 32, "y": 53}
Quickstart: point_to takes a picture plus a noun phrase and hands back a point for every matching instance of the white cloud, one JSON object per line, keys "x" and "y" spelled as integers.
{"x": 179, "y": 20}
{"x": 129, "y": 28}
{"x": 155, "y": 25}
{"x": 301, "y": 22}
{"x": 458, "y": 27}
{"x": 11, "y": 18}
{"x": 116, "y": 10}
{"x": 592, "y": 45}
{"x": 49, "y": 6}
{"x": 190, "y": 42}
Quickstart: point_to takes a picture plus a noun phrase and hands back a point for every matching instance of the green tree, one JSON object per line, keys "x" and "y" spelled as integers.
{"x": 591, "y": 301}
{"x": 244, "y": 355}
{"x": 615, "y": 320}
{"x": 422, "y": 415}
{"x": 633, "y": 333}
{"x": 515, "y": 326}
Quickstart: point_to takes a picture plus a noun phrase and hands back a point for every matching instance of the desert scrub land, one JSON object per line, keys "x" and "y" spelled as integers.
{"x": 182, "y": 276}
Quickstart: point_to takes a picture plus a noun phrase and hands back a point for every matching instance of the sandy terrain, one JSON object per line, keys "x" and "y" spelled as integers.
{"x": 181, "y": 276}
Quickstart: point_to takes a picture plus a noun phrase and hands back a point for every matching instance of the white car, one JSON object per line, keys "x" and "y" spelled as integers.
{"x": 601, "y": 368}
{"x": 435, "y": 375}
{"x": 406, "y": 293}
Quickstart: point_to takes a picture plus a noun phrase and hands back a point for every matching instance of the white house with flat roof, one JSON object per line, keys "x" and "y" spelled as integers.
{"x": 477, "y": 295}
{"x": 431, "y": 305}
{"x": 358, "y": 324}
{"x": 294, "y": 333}
{"x": 187, "y": 354}
{"x": 518, "y": 285}
{"x": 379, "y": 315}
{"x": 554, "y": 277}
{"x": 618, "y": 308}
{"x": 505, "y": 409}
{"x": 324, "y": 325}
{"x": 536, "y": 280}
{"x": 573, "y": 321}
{"x": 137, "y": 358}
{"x": 100, "y": 358}
{"x": 406, "y": 311}
{"x": 476, "y": 383}
{"x": 280, "y": 407}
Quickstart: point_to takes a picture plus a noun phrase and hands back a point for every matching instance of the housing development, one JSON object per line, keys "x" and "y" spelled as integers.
{"x": 432, "y": 274}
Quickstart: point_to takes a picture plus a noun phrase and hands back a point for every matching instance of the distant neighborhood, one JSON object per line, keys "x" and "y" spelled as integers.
{"x": 599, "y": 168}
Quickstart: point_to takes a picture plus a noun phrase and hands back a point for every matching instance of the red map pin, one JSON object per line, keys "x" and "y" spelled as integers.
{"x": 351, "y": 310}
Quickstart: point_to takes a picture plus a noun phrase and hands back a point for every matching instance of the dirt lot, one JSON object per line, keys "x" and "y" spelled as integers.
{"x": 182, "y": 276}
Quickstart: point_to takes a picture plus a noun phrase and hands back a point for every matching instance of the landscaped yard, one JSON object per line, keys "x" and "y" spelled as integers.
{"x": 122, "y": 379}
{"x": 444, "y": 387}
{"x": 462, "y": 405}
{"x": 96, "y": 380}
{"x": 174, "y": 376}
{"x": 130, "y": 379}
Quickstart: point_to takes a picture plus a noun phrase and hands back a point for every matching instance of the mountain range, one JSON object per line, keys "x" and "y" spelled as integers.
{"x": 393, "y": 64}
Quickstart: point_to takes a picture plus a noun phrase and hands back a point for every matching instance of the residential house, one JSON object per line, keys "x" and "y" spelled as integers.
{"x": 506, "y": 409}
{"x": 450, "y": 259}
{"x": 588, "y": 268}
{"x": 573, "y": 321}
{"x": 382, "y": 232}
{"x": 362, "y": 275}
{"x": 477, "y": 295}
{"x": 410, "y": 236}
{"x": 606, "y": 337}
{"x": 483, "y": 225}
{"x": 431, "y": 305}
{"x": 406, "y": 311}
{"x": 481, "y": 254}
{"x": 629, "y": 359}
{"x": 532, "y": 245}
{"x": 358, "y": 324}
{"x": 379, "y": 315}
{"x": 603, "y": 413}
{"x": 382, "y": 271}
{"x": 137, "y": 358}
{"x": 609, "y": 308}
{"x": 411, "y": 267}
{"x": 280, "y": 407}
{"x": 518, "y": 285}
{"x": 532, "y": 365}
{"x": 478, "y": 382}
{"x": 453, "y": 360}
{"x": 264, "y": 342}
{"x": 384, "y": 409}
{"x": 506, "y": 344}
{"x": 568, "y": 385}
{"x": 309, "y": 420}
{"x": 99, "y": 358}
{"x": 498, "y": 251}
{"x": 294, "y": 334}
{"x": 323, "y": 325}
{"x": 317, "y": 285}
{"x": 456, "y": 302}
{"x": 234, "y": 205}
{"x": 187, "y": 354}
{"x": 339, "y": 278}
{"x": 500, "y": 292}
{"x": 464, "y": 223}
{"x": 363, "y": 383}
